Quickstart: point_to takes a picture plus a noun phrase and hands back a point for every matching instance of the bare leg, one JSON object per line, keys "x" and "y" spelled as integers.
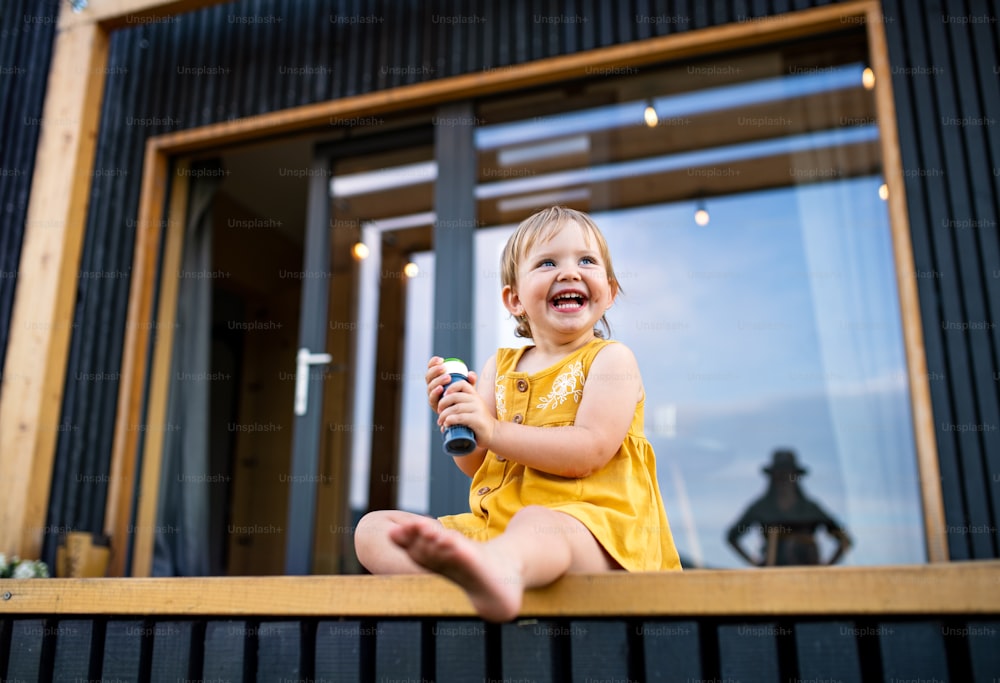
{"x": 538, "y": 546}
{"x": 376, "y": 550}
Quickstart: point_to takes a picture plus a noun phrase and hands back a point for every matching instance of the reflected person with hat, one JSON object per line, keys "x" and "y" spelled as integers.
{"x": 787, "y": 519}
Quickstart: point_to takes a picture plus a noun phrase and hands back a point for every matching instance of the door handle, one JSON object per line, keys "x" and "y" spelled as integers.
{"x": 303, "y": 360}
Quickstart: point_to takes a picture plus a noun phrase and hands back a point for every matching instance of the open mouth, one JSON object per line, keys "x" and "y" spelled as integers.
{"x": 568, "y": 301}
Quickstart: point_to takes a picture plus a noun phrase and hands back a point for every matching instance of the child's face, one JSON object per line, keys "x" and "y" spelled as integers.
{"x": 562, "y": 284}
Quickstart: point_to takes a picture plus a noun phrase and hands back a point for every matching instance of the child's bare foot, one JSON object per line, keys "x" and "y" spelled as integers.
{"x": 491, "y": 580}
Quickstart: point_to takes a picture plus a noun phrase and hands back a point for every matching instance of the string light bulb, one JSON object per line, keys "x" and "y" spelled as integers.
{"x": 649, "y": 115}
{"x": 411, "y": 269}
{"x": 883, "y": 191}
{"x": 360, "y": 251}
{"x": 701, "y": 216}
{"x": 868, "y": 78}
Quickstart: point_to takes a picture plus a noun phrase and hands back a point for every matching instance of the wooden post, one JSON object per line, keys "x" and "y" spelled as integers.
{"x": 42, "y": 320}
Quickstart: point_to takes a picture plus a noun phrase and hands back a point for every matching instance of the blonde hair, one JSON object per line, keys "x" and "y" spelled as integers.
{"x": 541, "y": 226}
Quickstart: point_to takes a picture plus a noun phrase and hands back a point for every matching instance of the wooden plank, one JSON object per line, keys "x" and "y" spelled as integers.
{"x": 528, "y": 650}
{"x": 174, "y": 652}
{"x": 828, "y": 651}
{"x": 983, "y": 638}
{"x": 111, "y": 14}
{"x": 42, "y": 316}
{"x": 75, "y": 652}
{"x": 226, "y": 657}
{"x": 598, "y": 651}
{"x": 671, "y": 651}
{"x": 130, "y": 425}
{"x": 748, "y": 652}
{"x": 942, "y": 588}
{"x": 30, "y": 651}
{"x": 126, "y": 645}
{"x": 279, "y": 652}
{"x": 343, "y": 649}
{"x": 460, "y": 650}
{"x": 925, "y": 436}
{"x": 398, "y": 651}
{"x": 913, "y": 651}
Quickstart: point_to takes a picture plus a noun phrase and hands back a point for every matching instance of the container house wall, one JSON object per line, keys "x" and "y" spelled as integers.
{"x": 27, "y": 31}
{"x": 223, "y": 63}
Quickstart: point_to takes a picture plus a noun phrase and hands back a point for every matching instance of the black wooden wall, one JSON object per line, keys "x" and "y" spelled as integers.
{"x": 747, "y": 650}
{"x": 27, "y": 28}
{"x": 945, "y": 78}
{"x": 944, "y": 56}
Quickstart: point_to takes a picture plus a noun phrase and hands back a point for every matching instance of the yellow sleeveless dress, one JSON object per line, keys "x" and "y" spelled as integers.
{"x": 620, "y": 504}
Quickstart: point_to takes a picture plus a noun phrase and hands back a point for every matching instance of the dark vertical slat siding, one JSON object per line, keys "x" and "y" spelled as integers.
{"x": 106, "y": 648}
{"x": 149, "y": 92}
{"x": 943, "y": 58}
{"x": 27, "y": 31}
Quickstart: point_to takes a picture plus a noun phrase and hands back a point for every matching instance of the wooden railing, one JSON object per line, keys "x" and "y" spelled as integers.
{"x": 934, "y": 622}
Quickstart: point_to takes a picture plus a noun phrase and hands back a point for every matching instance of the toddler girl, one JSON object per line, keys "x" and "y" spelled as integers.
{"x": 563, "y": 479}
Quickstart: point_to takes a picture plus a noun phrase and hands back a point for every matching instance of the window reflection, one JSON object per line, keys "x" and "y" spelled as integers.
{"x": 775, "y": 324}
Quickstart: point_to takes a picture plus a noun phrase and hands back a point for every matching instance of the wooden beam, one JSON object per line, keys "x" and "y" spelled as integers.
{"x": 129, "y": 426}
{"x": 925, "y": 437}
{"x": 531, "y": 74}
{"x": 112, "y": 14}
{"x": 967, "y": 588}
{"x": 42, "y": 320}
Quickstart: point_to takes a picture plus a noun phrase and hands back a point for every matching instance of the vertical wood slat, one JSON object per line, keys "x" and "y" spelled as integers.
{"x": 174, "y": 650}
{"x": 983, "y": 638}
{"x": 671, "y": 651}
{"x": 599, "y": 651}
{"x": 226, "y": 651}
{"x": 460, "y": 650}
{"x": 29, "y": 658}
{"x": 280, "y": 652}
{"x": 528, "y": 651}
{"x": 828, "y": 650}
{"x": 971, "y": 354}
{"x": 76, "y": 645}
{"x": 340, "y": 651}
{"x": 984, "y": 42}
{"x": 912, "y": 651}
{"x": 125, "y": 643}
{"x": 748, "y": 652}
{"x": 399, "y": 650}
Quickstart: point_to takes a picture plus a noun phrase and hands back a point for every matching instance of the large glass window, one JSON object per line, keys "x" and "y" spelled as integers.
{"x": 744, "y": 206}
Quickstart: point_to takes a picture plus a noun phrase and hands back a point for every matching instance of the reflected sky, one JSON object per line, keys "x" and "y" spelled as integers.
{"x": 777, "y": 325}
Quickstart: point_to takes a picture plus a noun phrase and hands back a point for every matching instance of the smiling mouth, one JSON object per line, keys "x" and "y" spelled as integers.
{"x": 568, "y": 301}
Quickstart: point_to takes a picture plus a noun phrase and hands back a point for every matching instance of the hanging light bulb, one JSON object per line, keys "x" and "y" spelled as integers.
{"x": 649, "y": 115}
{"x": 701, "y": 216}
{"x": 411, "y": 269}
{"x": 868, "y": 78}
{"x": 883, "y": 191}
{"x": 360, "y": 251}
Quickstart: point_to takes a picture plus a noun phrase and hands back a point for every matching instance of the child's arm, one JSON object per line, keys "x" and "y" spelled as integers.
{"x": 437, "y": 380}
{"x": 610, "y": 395}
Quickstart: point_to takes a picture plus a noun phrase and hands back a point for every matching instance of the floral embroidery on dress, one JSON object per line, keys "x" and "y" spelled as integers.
{"x": 566, "y": 385}
{"x": 500, "y": 392}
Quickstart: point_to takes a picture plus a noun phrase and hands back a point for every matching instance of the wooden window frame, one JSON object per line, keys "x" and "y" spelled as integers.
{"x": 83, "y": 38}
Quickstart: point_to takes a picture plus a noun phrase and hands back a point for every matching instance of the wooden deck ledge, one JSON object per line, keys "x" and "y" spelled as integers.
{"x": 950, "y": 588}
